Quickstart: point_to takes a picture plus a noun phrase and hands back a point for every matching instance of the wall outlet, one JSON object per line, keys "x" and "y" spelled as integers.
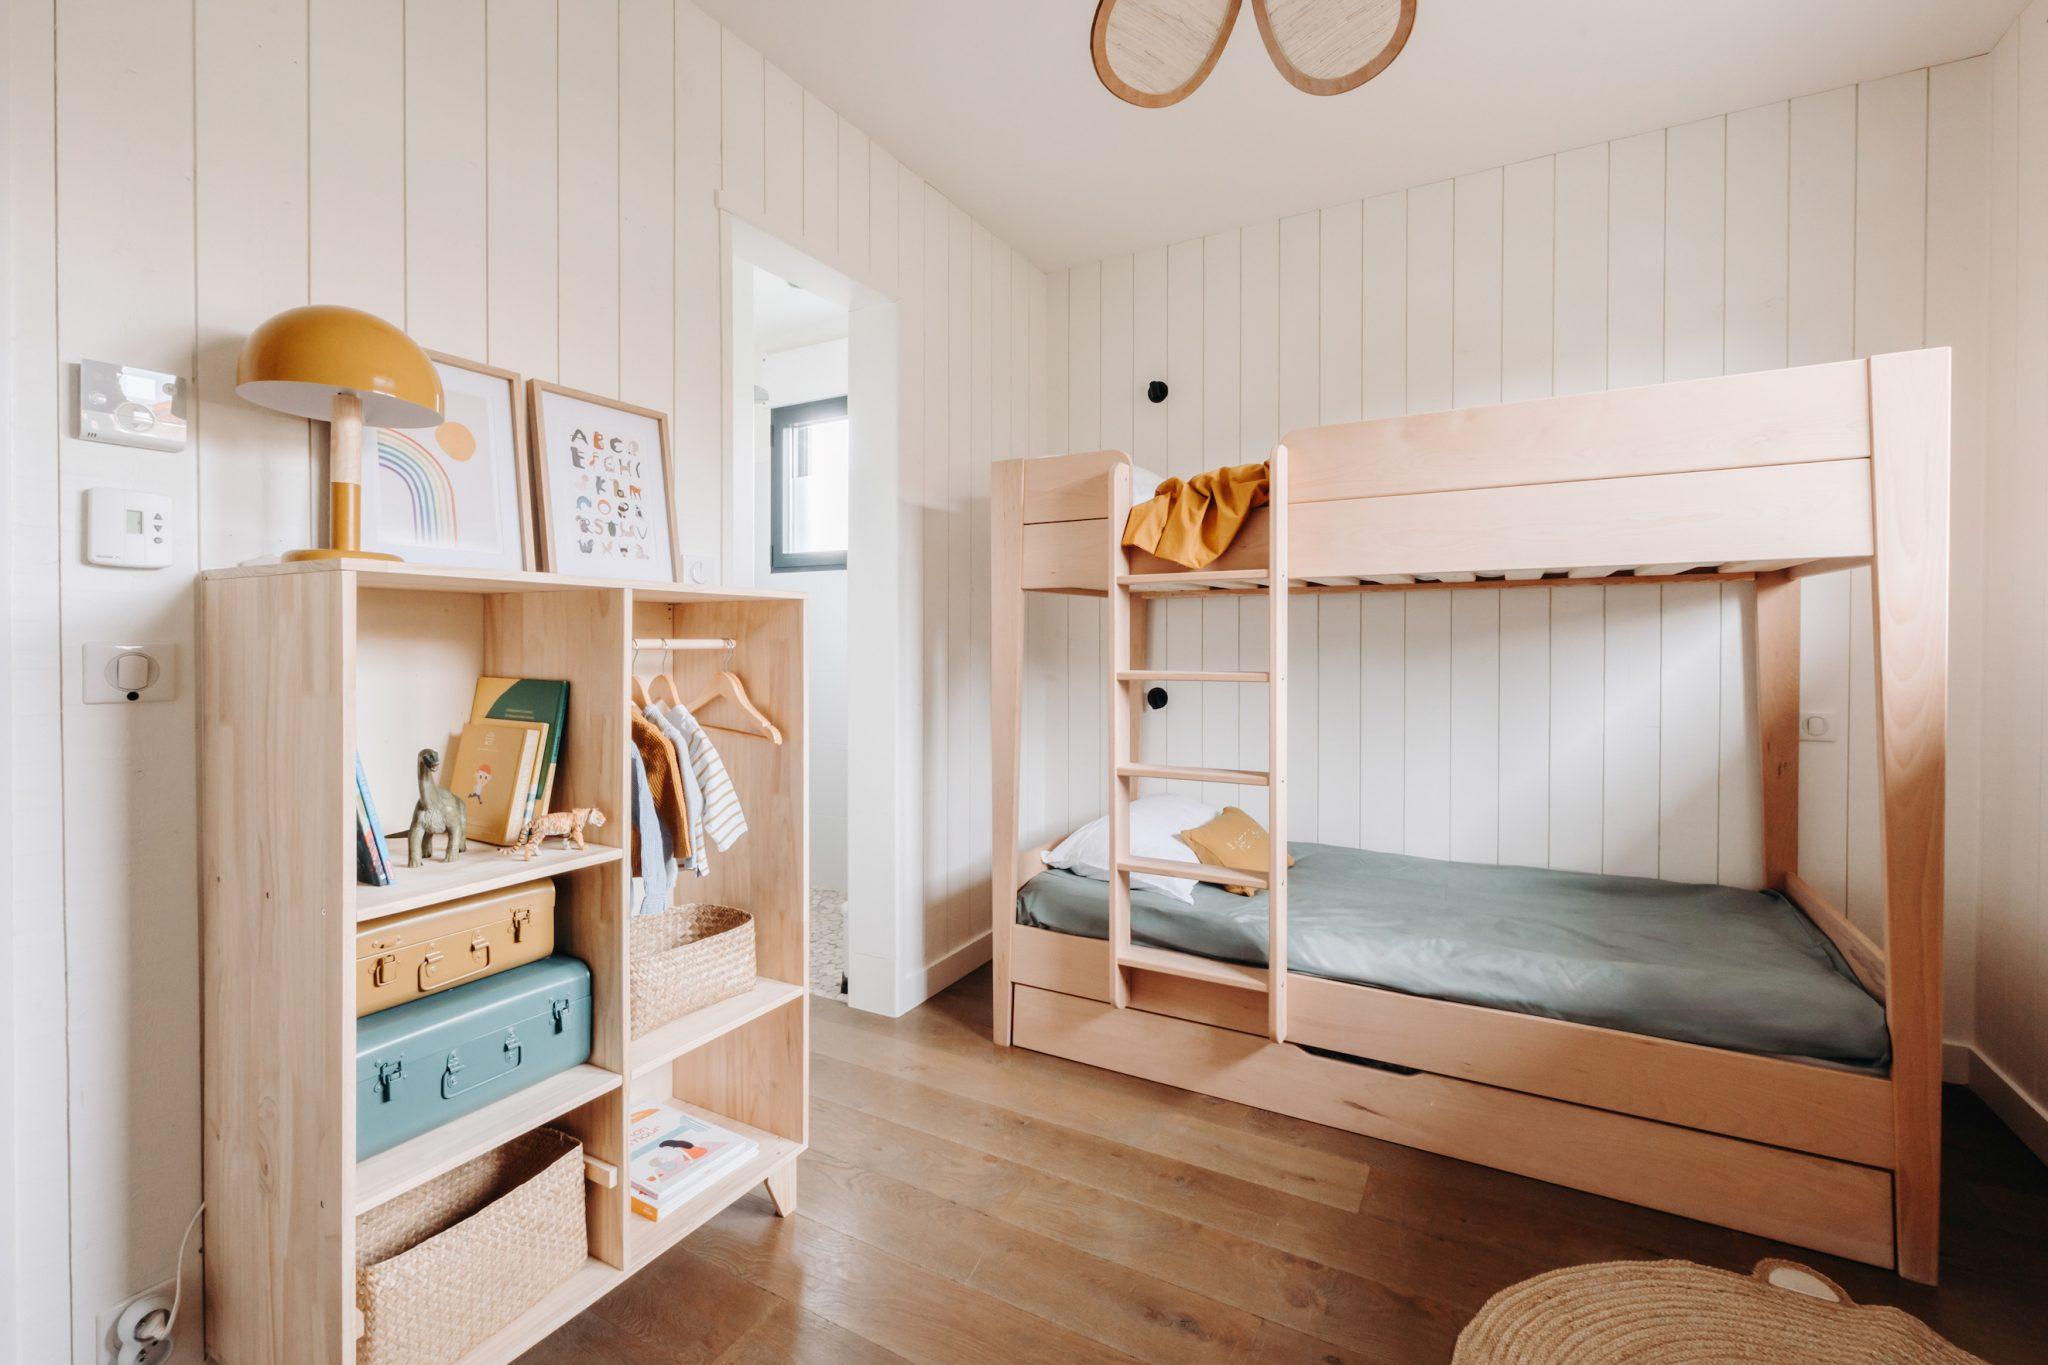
{"x": 699, "y": 571}
{"x": 130, "y": 672}
{"x": 1817, "y": 727}
{"x": 121, "y": 1329}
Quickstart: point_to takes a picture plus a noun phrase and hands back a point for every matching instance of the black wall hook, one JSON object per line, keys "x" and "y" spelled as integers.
{"x": 1156, "y": 390}
{"x": 1155, "y": 697}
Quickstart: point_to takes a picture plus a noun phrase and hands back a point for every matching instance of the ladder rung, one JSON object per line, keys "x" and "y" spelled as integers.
{"x": 1243, "y": 777}
{"x": 1200, "y": 872}
{"x": 1192, "y": 967}
{"x": 1184, "y": 675}
{"x": 1234, "y": 579}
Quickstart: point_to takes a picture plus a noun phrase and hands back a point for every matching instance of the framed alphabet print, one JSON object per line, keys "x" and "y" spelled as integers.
{"x": 602, "y": 471}
{"x": 459, "y": 493}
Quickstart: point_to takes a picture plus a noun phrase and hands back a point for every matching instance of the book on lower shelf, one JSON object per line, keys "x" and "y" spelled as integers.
{"x": 673, "y": 1154}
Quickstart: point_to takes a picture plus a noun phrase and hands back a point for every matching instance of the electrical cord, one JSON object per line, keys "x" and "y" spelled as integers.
{"x": 177, "y": 1282}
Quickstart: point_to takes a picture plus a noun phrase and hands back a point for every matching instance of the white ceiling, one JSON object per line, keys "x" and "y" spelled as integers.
{"x": 995, "y": 102}
{"x": 786, "y": 317}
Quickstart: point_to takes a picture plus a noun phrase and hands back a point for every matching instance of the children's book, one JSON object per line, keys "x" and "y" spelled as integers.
{"x": 492, "y": 776}
{"x": 543, "y": 700}
{"x": 674, "y": 1154}
{"x": 371, "y": 831}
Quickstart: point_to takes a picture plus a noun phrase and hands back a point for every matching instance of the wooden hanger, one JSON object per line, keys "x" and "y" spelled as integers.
{"x": 728, "y": 685}
{"x": 662, "y": 688}
{"x": 639, "y": 691}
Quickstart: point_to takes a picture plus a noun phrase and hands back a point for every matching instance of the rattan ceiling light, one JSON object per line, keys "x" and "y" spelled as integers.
{"x": 1153, "y": 53}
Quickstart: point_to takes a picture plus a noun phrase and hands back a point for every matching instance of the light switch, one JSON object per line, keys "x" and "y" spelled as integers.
{"x": 131, "y": 672}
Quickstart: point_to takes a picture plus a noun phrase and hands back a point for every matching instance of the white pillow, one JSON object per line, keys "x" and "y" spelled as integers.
{"x": 1156, "y": 823}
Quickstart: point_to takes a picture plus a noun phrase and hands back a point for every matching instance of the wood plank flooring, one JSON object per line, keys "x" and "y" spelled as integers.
{"x": 965, "y": 1203}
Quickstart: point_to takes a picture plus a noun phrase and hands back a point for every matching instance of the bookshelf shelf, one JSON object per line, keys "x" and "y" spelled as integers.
{"x": 481, "y": 868}
{"x": 411, "y": 1164}
{"x": 646, "y": 1239}
{"x": 312, "y": 672}
{"x": 663, "y": 1045}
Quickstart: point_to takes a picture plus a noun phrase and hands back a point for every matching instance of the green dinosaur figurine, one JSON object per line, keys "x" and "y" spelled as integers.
{"x": 439, "y": 812}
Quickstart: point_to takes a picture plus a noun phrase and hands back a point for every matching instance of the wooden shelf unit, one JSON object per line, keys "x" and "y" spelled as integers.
{"x": 302, "y": 667}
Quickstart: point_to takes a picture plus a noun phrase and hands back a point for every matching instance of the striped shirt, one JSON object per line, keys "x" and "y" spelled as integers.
{"x": 720, "y": 815}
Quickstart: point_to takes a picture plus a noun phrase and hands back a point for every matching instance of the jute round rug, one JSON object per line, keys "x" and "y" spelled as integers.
{"x": 1678, "y": 1313}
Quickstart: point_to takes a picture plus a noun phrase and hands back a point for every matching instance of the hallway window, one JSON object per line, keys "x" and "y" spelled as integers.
{"x": 808, "y": 515}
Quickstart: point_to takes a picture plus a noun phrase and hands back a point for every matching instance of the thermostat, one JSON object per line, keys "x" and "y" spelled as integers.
{"x": 127, "y": 406}
{"x": 127, "y": 529}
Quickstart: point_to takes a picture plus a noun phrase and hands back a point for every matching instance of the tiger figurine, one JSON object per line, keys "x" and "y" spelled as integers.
{"x": 569, "y": 824}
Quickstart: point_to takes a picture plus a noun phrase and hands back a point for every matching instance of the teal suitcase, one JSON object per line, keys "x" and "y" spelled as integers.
{"x": 430, "y": 1060}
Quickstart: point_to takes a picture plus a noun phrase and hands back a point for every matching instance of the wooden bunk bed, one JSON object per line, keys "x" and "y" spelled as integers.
{"x": 1770, "y": 477}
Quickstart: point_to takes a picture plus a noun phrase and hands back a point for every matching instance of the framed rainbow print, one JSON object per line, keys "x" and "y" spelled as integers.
{"x": 457, "y": 493}
{"x": 603, "y": 480}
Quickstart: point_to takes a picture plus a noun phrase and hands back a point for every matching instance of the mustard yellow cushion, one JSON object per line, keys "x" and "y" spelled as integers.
{"x": 1233, "y": 840}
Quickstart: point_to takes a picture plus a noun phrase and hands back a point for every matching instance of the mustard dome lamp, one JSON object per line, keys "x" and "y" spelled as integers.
{"x": 346, "y": 367}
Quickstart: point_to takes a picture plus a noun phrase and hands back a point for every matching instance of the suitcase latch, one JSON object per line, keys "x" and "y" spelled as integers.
{"x": 519, "y": 919}
{"x": 480, "y": 947}
{"x": 389, "y": 1074}
{"x": 381, "y": 973}
{"x": 514, "y": 1053}
{"x": 560, "y": 1009}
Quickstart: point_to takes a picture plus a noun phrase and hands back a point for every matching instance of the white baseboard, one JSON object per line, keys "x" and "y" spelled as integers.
{"x": 921, "y": 984}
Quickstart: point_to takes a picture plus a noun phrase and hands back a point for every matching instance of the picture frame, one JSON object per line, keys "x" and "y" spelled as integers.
{"x": 459, "y": 494}
{"x": 603, "y": 495}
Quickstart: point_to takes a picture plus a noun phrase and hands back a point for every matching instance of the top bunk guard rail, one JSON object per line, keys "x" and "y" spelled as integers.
{"x": 1768, "y": 476}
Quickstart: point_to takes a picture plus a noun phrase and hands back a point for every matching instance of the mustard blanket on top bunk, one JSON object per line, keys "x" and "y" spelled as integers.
{"x": 1192, "y": 521}
{"x": 1703, "y": 964}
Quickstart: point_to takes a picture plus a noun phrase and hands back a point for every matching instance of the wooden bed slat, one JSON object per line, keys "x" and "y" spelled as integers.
{"x": 1193, "y": 968}
{"x": 1172, "y": 675}
{"x": 1242, "y": 777}
{"x": 1832, "y": 1206}
{"x": 1817, "y": 412}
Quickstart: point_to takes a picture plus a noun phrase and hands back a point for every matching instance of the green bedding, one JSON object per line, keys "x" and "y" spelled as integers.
{"x": 1704, "y": 964}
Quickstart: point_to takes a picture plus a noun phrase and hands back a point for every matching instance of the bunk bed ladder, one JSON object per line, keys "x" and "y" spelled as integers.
{"x": 1128, "y": 683}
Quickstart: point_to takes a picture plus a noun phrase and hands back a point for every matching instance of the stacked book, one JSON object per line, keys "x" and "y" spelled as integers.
{"x": 373, "y": 861}
{"x": 673, "y": 1155}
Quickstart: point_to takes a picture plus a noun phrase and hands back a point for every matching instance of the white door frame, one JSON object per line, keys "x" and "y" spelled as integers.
{"x": 883, "y": 646}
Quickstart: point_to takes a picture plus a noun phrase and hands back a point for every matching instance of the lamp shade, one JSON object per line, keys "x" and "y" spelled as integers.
{"x": 299, "y": 360}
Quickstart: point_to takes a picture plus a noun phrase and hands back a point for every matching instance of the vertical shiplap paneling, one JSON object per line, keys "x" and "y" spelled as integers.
{"x": 1258, "y": 431}
{"x": 1085, "y": 663}
{"x": 1578, "y": 671}
{"x": 782, "y": 145}
{"x": 647, "y": 204}
{"x": 965, "y": 728}
{"x": 520, "y": 169}
{"x": 1300, "y": 398}
{"x": 1426, "y": 633}
{"x": 445, "y": 156}
{"x": 1758, "y": 145}
{"x": 743, "y": 124}
{"x": 821, "y": 178}
{"x": 1821, "y": 311}
{"x": 1382, "y": 688}
{"x": 356, "y": 153}
{"x": 1528, "y": 275}
{"x": 1114, "y": 389}
{"x": 1084, "y": 356}
{"x": 1183, "y": 621}
{"x": 698, "y": 424}
{"x": 250, "y": 206}
{"x": 1635, "y": 260}
{"x": 1479, "y": 294}
{"x": 1580, "y": 356}
{"x": 1220, "y": 369}
{"x": 1958, "y": 205}
{"x": 587, "y": 95}
{"x": 1336, "y": 680}
{"x": 940, "y": 760}
{"x": 1689, "y": 699}
{"x": 855, "y": 226}
{"x": 973, "y": 919}
{"x": 1148, "y": 452}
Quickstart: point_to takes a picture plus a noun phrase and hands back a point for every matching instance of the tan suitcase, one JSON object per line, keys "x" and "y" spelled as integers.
{"x": 428, "y": 950}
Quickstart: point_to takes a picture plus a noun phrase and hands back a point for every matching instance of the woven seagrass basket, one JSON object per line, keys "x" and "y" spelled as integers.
{"x": 686, "y": 958}
{"x": 442, "y": 1267}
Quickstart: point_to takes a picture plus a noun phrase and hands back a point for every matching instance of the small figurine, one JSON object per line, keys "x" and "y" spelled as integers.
{"x": 566, "y": 823}
{"x": 438, "y": 812}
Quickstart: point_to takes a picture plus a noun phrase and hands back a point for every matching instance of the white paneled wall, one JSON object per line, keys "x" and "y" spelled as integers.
{"x": 2012, "y": 960}
{"x": 1605, "y": 728}
{"x": 534, "y": 183}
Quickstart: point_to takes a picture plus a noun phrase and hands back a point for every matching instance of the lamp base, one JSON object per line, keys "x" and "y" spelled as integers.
{"x": 299, "y": 556}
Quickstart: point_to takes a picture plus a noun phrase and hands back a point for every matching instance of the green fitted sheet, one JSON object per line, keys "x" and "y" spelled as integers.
{"x": 1704, "y": 964}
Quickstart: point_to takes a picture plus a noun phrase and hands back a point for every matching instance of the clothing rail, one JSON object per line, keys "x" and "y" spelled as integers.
{"x": 685, "y": 642}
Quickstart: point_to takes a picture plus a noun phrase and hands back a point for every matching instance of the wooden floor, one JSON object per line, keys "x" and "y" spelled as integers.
{"x": 963, "y": 1203}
